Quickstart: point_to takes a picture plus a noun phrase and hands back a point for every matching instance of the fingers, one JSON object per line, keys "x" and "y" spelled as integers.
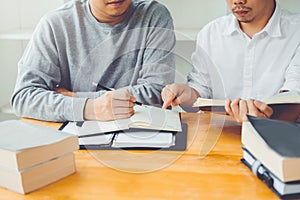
{"x": 239, "y": 109}
{"x": 168, "y": 94}
{"x": 243, "y": 111}
{"x": 123, "y": 114}
{"x": 122, "y": 98}
{"x": 228, "y": 107}
{"x": 112, "y": 105}
{"x": 176, "y": 94}
{"x": 122, "y": 94}
{"x": 122, "y": 104}
{"x": 264, "y": 108}
{"x": 235, "y": 109}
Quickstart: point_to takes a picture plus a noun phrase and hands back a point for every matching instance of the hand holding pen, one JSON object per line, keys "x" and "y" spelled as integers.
{"x": 112, "y": 105}
{"x": 115, "y": 104}
{"x": 102, "y": 87}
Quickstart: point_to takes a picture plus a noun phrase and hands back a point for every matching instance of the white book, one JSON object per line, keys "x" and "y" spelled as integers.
{"x": 145, "y": 117}
{"x": 281, "y": 154}
{"x": 275, "y": 183}
{"x": 103, "y": 139}
{"x": 38, "y": 176}
{"x": 144, "y": 139}
{"x": 281, "y": 98}
{"x": 23, "y": 145}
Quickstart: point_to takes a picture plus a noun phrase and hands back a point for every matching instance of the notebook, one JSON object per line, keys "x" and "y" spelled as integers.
{"x": 135, "y": 139}
{"x": 145, "y": 117}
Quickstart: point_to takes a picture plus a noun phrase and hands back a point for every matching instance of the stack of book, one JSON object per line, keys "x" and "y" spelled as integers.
{"x": 33, "y": 156}
{"x": 272, "y": 152}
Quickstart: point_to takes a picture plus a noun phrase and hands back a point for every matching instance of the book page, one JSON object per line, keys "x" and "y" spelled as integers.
{"x": 146, "y": 117}
{"x": 140, "y": 138}
{"x": 202, "y": 102}
{"x": 155, "y": 118}
{"x": 96, "y": 127}
{"x": 103, "y": 139}
{"x": 284, "y": 97}
{"x": 281, "y": 98}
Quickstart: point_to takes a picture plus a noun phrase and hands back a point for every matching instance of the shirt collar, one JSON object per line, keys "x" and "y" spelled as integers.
{"x": 232, "y": 26}
{"x": 273, "y": 27}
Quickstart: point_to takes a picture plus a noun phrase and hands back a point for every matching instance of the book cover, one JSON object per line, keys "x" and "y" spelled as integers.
{"x": 282, "y": 189}
{"x": 275, "y": 144}
{"x": 38, "y": 176}
{"x": 23, "y": 145}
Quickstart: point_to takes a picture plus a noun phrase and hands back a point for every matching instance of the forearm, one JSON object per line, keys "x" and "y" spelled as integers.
{"x": 46, "y": 105}
{"x": 90, "y": 95}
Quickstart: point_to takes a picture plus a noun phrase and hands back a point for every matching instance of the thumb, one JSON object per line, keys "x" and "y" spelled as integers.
{"x": 264, "y": 108}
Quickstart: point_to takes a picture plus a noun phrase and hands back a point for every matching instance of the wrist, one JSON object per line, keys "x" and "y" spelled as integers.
{"x": 194, "y": 95}
{"x": 89, "y": 113}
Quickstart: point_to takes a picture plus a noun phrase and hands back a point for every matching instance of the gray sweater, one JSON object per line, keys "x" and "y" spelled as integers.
{"x": 71, "y": 49}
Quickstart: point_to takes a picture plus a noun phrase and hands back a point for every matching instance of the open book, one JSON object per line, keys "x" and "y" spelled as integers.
{"x": 145, "y": 117}
{"x": 281, "y": 98}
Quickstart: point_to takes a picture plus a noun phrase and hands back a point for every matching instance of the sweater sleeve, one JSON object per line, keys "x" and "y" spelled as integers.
{"x": 38, "y": 75}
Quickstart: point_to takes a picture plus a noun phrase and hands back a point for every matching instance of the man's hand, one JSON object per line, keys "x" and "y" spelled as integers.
{"x": 240, "y": 108}
{"x": 112, "y": 105}
{"x": 175, "y": 94}
{"x": 65, "y": 92}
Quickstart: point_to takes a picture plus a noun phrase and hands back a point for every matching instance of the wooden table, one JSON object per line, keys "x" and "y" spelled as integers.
{"x": 209, "y": 169}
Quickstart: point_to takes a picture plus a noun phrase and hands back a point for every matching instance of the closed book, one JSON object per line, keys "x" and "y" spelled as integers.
{"x": 275, "y": 144}
{"x": 23, "y": 145}
{"x": 282, "y": 189}
{"x": 143, "y": 139}
{"x": 37, "y": 176}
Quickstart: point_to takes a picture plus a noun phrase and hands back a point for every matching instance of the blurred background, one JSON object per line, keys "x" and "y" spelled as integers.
{"x": 19, "y": 17}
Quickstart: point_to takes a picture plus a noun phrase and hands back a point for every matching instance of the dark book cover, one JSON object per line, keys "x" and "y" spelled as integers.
{"x": 282, "y": 137}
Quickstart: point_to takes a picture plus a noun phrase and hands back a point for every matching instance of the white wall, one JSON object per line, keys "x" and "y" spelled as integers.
{"x": 17, "y": 15}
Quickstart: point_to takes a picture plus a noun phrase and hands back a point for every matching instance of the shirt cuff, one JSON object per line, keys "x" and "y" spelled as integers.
{"x": 74, "y": 109}
{"x": 90, "y": 95}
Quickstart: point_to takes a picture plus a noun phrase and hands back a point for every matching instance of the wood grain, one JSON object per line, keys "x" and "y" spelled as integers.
{"x": 209, "y": 169}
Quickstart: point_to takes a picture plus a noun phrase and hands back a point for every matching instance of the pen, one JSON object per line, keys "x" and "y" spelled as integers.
{"x": 99, "y": 86}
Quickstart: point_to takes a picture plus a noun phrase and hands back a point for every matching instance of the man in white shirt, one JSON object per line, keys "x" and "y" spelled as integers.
{"x": 249, "y": 55}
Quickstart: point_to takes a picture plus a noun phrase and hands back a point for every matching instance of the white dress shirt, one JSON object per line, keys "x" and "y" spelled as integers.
{"x": 229, "y": 64}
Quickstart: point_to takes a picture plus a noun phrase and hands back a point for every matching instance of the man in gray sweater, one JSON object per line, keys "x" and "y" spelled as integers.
{"x": 124, "y": 45}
